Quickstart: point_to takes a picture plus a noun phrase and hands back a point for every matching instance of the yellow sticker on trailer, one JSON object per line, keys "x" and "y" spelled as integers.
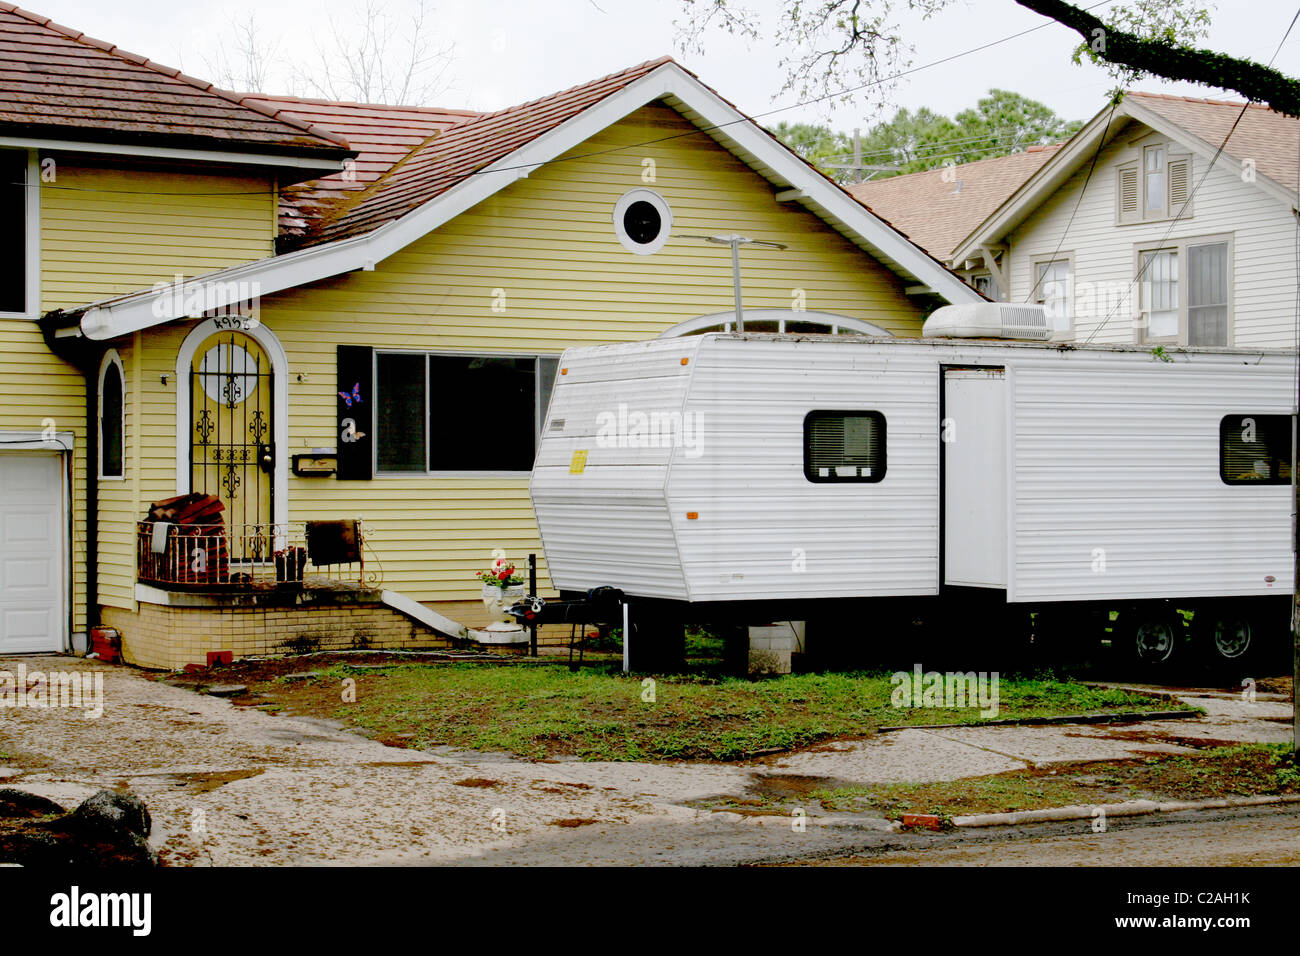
{"x": 579, "y": 463}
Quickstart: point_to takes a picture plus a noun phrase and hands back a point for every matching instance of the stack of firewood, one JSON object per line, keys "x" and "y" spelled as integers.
{"x": 196, "y": 550}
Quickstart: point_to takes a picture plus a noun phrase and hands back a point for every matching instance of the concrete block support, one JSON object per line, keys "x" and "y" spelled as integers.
{"x": 771, "y": 647}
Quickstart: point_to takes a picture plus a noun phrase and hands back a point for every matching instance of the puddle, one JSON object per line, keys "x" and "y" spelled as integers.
{"x": 207, "y": 781}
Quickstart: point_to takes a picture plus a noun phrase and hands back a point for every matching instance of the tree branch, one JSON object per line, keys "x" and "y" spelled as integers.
{"x": 1252, "y": 80}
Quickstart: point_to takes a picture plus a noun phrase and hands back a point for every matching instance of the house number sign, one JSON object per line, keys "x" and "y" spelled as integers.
{"x": 235, "y": 323}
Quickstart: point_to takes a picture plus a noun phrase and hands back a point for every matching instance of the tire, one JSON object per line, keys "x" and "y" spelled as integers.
{"x": 1154, "y": 640}
{"x": 1229, "y": 641}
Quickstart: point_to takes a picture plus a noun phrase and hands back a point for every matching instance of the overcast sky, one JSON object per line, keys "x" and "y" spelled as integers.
{"x": 510, "y": 51}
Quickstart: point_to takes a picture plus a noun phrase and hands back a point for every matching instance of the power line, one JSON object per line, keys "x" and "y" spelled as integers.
{"x": 706, "y": 129}
{"x": 1142, "y": 270}
{"x": 1101, "y": 144}
{"x": 782, "y": 109}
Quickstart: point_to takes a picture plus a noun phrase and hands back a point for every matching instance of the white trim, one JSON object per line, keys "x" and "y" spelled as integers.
{"x": 140, "y": 310}
{"x": 170, "y": 152}
{"x": 110, "y": 358}
{"x": 30, "y": 439}
{"x": 725, "y": 319}
{"x": 32, "y": 224}
{"x": 641, "y": 194}
{"x": 279, "y": 409}
{"x": 63, "y": 445}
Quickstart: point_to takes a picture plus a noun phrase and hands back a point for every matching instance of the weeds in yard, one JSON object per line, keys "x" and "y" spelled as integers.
{"x": 598, "y": 713}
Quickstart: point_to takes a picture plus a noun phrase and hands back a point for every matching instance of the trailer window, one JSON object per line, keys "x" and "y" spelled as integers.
{"x": 844, "y": 446}
{"x": 1255, "y": 449}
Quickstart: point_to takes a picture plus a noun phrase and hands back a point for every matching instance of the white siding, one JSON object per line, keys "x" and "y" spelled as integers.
{"x": 1262, "y": 270}
{"x": 1117, "y": 488}
{"x": 766, "y": 531}
{"x": 608, "y": 523}
{"x": 1112, "y": 457}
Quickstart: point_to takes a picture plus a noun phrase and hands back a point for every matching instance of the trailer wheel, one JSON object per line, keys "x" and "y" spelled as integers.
{"x": 1230, "y": 637}
{"x": 1153, "y": 639}
{"x": 1228, "y": 641}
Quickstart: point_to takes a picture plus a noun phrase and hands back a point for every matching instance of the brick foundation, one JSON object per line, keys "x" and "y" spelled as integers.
{"x": 169, "y": 636}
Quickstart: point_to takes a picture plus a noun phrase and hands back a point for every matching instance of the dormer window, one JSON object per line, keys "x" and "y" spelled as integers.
{"x": 1153, "y": 187}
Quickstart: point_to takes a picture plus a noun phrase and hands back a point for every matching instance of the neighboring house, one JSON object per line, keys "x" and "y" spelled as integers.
{"x": 393, "y": 361}
{"x": 1165, "y": 245}
{"x": 938, "y": 208}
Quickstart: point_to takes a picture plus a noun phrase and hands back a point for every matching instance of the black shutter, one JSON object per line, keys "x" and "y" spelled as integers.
{"x": 355, "y": 433}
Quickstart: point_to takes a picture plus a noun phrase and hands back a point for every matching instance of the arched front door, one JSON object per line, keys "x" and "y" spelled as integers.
{"x": 232, "y": 454}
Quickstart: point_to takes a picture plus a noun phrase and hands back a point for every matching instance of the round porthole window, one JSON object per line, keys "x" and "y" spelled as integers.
{"x": 228, "y": 374}
{"x": 642, "y": 221}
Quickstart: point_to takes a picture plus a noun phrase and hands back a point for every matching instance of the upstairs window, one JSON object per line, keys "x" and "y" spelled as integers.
{"x": 1053, "y": 292}
{"x": 14, "y": 254}
{"x": 844, "y": 446}
{"x": 1153, "y": 187}
{"x": 1185, "y": 293}
{"x": 1154, "y": 184}
{"x": 1255, "y": 449}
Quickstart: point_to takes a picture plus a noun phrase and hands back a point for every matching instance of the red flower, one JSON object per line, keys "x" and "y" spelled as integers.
{"x": 504, "y": 575}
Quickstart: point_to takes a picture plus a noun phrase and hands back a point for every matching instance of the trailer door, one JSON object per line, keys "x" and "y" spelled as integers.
{"x": 974, "y": 450}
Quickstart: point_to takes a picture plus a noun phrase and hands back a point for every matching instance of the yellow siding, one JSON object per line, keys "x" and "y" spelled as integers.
{"x": 109, "y": 229}
{"x": 42, "y": 386}
{"x": 548, "y": 243}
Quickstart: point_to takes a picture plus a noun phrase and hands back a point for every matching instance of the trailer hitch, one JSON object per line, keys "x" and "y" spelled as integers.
{"x": 602, "y": 605}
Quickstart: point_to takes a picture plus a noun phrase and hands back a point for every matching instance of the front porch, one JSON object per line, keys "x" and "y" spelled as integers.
{"x": 206, "y": 591}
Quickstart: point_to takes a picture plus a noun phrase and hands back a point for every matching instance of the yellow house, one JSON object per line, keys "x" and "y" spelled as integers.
{"x": 390, "y": 360}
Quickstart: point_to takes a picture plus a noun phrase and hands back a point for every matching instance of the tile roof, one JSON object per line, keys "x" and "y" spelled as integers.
{"x": 937, "y": 208}
{"x": 55, "y": 80}
{"x": 459, "y": 151}
{"x": 1269, "y": 138}
{"x": 380, "y": 134}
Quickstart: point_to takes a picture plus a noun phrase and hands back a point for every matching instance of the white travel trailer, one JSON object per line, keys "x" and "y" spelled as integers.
{"x": 759, "y": 473}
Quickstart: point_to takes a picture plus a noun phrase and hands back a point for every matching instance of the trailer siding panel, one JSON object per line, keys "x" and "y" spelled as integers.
{"x": 1118, "y": 491}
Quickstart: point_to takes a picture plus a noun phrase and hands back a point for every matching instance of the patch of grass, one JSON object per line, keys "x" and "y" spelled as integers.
{"x": 599, "y": 714}
{"x": 1244, "y": 770}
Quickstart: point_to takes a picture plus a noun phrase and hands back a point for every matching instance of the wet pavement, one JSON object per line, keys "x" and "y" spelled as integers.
{"x": 235, "y": 786}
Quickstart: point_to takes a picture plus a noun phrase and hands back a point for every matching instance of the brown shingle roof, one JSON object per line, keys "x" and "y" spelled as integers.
{"x": 937, "y": 208}
{"x": 461, "y": 150}
{"x": 380, "y": 134}
{"x": 1269, "y": 138}
{"x": 56, "y": 80}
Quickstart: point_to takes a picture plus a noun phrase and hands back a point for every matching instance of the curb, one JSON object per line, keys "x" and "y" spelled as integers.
{"x": 1133, "y": 808}
{"x": 1111, "y": 718}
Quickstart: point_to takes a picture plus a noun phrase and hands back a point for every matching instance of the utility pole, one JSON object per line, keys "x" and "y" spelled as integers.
{"x": 857, "y": 165}
{"x": 735, "y": 242}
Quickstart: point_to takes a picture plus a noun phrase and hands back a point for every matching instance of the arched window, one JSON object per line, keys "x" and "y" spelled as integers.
{"x": 785, "y": 321}
{"x": 112, "y": 417}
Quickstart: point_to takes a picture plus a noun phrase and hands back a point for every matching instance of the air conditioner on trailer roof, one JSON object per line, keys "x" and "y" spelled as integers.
{"x": 989, "y": 320}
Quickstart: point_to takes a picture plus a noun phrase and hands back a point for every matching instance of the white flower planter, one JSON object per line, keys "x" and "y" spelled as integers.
{"x": 495, "y": 597}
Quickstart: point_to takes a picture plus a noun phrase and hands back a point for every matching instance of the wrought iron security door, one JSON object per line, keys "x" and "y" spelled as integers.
{"x": 231, "y": 450}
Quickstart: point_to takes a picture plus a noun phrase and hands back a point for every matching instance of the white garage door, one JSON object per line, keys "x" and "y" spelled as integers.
{"x": 32, "y": 528}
